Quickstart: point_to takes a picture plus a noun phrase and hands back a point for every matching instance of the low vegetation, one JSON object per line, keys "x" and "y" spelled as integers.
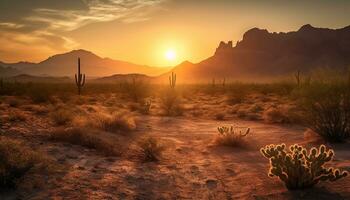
{"x": 170, "y": 102}
{"x": 327, "y": 109}
{"x": 15, "y": 161}
{"x": 151, "y": 148}
{"x": 62, "y": 116}
{"x": 298, "y": 168}
{"x": 87, "y": 138}
{"x": 232, "y": 136}
{"x": 119, "y": 122}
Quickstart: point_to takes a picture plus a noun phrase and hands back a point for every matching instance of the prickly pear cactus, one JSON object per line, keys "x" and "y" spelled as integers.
{"x": 298, "y": 168}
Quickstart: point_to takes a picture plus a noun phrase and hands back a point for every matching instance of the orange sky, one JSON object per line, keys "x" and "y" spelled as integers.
{"x": 142, "y": 31}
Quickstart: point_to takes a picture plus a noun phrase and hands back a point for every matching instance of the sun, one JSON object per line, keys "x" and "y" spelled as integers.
{"x": 170, "y": 55}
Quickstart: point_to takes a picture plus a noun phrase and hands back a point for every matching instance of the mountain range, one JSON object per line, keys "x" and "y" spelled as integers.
{"x": 260, "y": 54}
{"x": 66, "y": 65}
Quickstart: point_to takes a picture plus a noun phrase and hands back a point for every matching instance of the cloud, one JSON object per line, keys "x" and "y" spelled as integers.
{"x": 45, "y": 24}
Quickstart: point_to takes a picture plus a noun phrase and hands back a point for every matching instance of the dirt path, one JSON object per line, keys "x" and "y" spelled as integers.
{"x": 192, "y": 167}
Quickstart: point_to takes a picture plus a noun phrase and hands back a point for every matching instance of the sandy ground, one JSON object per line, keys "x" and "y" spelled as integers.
{"x": 191, "y": 167}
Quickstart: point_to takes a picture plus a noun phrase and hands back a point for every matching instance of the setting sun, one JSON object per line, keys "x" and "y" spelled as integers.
{"x": 170, "y": 55}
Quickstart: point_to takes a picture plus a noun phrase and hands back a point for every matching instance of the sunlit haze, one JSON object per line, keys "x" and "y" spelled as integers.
{"x": 142, "y": 31}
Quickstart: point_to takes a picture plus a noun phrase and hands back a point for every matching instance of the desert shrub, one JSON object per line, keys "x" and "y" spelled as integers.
{"x": 232, "y": 136}
{"x": 237, "y": 96}
{"x": 145, "y": 107}
{"x": 120, "y": 122}
{"x": 327, "y": 110}
{"x": 62, "y": 116}
{"x": 299, "y": 169}
{"x": 136, "y": 89}
{"x": 256, "y": 108}
{"x": 170, "y": 102}
{"x": 220, "y": 116}
{"x": 37, "y": 109}
{"x": 17, "y": 116}
{"x": 275, "y": 115}
{"x": 15, "y": 161}
{"x": 151, "y": 148}
{"x": 40, "y": 96}
{"x": 86, "y": 138}
{"x": 13, "y": 102}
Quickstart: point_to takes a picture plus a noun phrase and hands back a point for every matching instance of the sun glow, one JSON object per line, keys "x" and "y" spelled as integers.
{"x": 170, "y": 55}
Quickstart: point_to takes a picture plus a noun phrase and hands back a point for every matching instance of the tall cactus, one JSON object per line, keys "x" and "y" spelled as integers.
{"x": 79, "y": 78}
{"x": 1, "y": 83}
{"x": 297, "y": 77}
{"x": 172, "y": 80}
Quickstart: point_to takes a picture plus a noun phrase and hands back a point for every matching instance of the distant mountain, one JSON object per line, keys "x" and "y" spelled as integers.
{"x": 262, "y": 54}
{"x": 42, "y": 79}
{"x": 91, "y": 64}
{"x": 8, "y": 71}
{"x": 120, "y": 78}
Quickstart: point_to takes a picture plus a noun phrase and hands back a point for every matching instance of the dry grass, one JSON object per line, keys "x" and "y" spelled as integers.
{"x": 120, "y": 122}
{"x": 13, "y": 102}
{"x": 87, "y": 138}
{"x": 151, "y": 148}
{"x": 170, "y": 102}
{"x": 232, "y": 136}
{"x": 62, "y": 116}
{"x": 17, "y": 116}
{"x": 282, "y": 114}
{"x": 15, "y": 161}
{"x": 37, "y": 109}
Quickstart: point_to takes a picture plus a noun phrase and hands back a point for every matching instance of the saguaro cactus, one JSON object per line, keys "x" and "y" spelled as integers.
{"x": 297, "y": 77}
{"x": 79, "y": 78}
{"x": 172, "y": 80}
{"x": 1, "y": 83}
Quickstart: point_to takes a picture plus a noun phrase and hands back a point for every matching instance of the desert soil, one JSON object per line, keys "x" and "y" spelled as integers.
{"x": 192, "y": 167}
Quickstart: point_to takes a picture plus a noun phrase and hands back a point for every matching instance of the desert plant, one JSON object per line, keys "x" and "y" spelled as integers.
{"x": 151, "y": 148}
{"x": 116, "y": 123}
{"x": 2, "y": 85}
{"x": 299, "y": 169}
{"x": 232, "y": 136}
{"x": 40, "y": 95}
{"x": 15, "y": 161}
{"x": 17, "y": 116}
{"x": 61, "y": 116}
{"x": 146, "y": 106}
{"x": 172, "y": 80}
{"x": 86, "y": 138}
{"x": 170, "y": 102}
{"x": 79, "y": 78}
{"x": 297, "y": 77}
{"x": 138, "y": 90}
{"x": 327, "y": 110}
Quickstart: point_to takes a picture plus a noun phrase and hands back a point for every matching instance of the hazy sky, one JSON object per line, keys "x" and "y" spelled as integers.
{"x": 142, "y": 31}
